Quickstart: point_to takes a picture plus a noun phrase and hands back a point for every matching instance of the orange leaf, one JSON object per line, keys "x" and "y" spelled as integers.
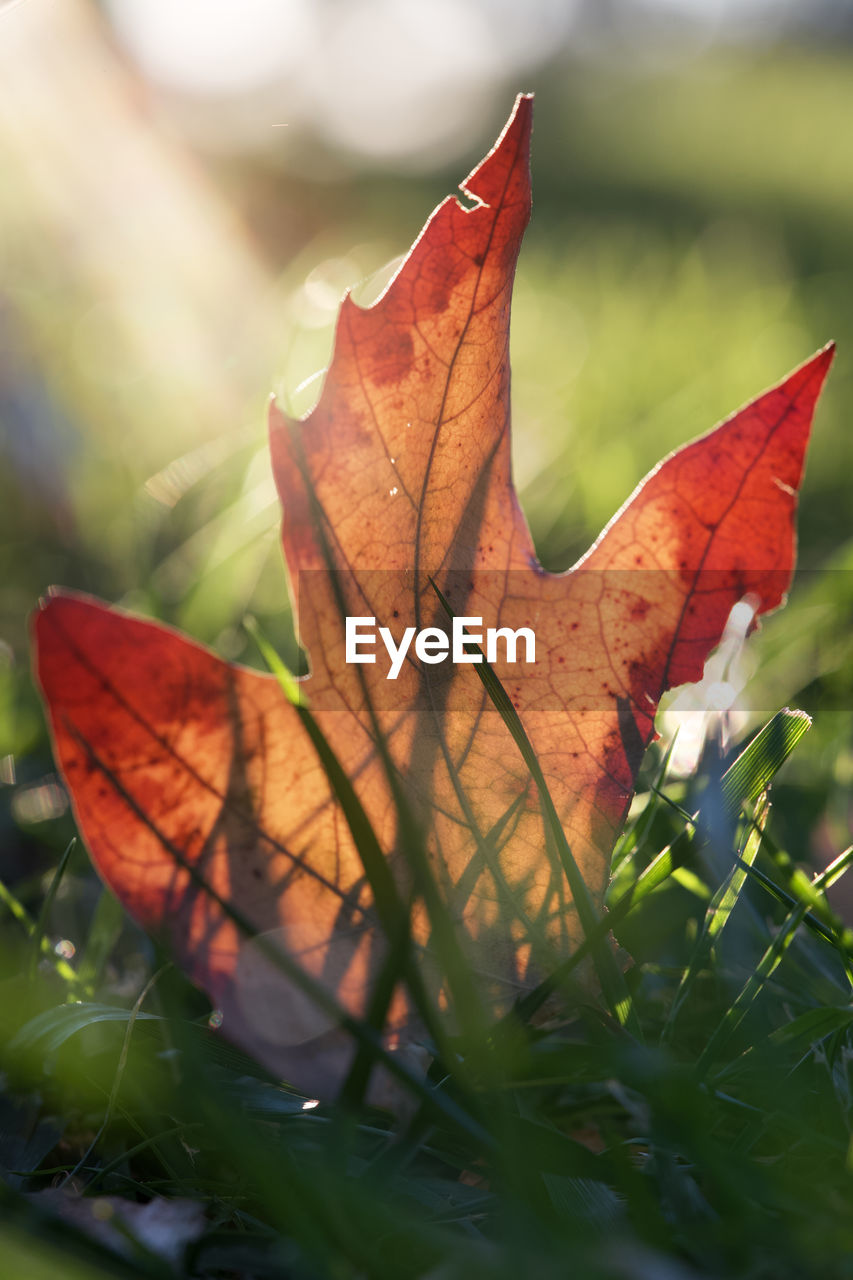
{"x": 187, "y": 772}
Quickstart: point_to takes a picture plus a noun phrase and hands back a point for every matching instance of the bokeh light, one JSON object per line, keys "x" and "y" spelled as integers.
{"x": 335, "y": 70}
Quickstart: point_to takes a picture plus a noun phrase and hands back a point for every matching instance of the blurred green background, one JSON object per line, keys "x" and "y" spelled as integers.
{"x": 186, "y": 190}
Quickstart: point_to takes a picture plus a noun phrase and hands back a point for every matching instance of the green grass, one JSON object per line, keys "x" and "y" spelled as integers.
{"x": 710, "y": 1128}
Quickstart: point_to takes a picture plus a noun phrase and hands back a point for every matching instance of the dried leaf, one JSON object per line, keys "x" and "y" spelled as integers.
{"x": 184, "y": 769}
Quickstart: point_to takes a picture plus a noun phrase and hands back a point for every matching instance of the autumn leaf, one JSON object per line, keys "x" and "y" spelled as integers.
{"x": 200, "y": 789}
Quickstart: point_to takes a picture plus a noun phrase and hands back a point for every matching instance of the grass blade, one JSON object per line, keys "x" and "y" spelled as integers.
{"x": 39, "y": 938}
{"x": 717, "y": 916}
{"x": 752, "y": 988}
{"x": 610, "y": 976}
{"x": 760, "y": 761}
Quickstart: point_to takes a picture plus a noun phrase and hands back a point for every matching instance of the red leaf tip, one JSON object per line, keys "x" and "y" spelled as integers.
{"x": 807, "y": 380}
{"x": 823, "y": 358}
{"x": 488, "y": 180}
